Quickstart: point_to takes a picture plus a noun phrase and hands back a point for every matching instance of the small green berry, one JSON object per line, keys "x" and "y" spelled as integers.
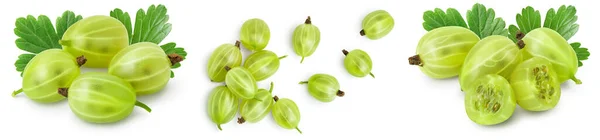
{"x": 286, "y": 113}
{"x": 254, "y": 110}
{"x": 306, "y": 39}
{"x": 241, "y": 82}
{"x": 323, "y": 87}
{"x": 225, "y": 55}
{"x": 358, "y": 63}
{"x": 377, "y": 24}
{"x": 262, "y": 64}
{"x": 222, "y": 105}
{"x": 255, "y": 34}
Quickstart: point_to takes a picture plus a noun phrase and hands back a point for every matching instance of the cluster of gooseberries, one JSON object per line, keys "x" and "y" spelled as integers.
{"x": 496, "y": 73}
{"x": 98, "y": 42}
{"x": 239, "y": 90}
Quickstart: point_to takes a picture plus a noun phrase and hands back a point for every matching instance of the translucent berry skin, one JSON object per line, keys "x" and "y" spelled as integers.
{"x": 504, "y": 103}
{"x": 306, "y": 39}
{"x": 492, "y": 55}
{"x": 358, "y": 63}
{"x": 255, "y": 34}
{"x": 98, "y": 38}
{"x": 225, "y": 55}
{"x": 262, "y": 64}
{"x": 286, "y": 114}
{"x": 144, "y": 65}
{"x": 323, "y": 87}
{"x": 523, "y": 81}
{"x": 254, "y": 110}
{"x": 549, "y": 44}
{"x": 442, "y": 51}
{"x": 101, "y": 98}
{"x": 377, "y": 24}
{"x": 222, "y": 106}
{"x": 46, "y": 73}
{"x": 241, "y": 83}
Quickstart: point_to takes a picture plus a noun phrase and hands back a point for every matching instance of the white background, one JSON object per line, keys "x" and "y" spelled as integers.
{"x": 400, "y": 103}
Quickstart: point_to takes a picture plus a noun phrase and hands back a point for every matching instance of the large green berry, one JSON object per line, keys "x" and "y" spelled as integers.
{"x": 536, "y": 84}
{"x": 549, "y": 44}
{"x": 47, "y": 72}
{"x": 225, "y": 55}
{"x": 222, "y": 105}
{"x": 377, "y": 24}
{"x": 101, "y": 98}
{"x": 323, "y": 87}
{"x": 358, "y": 63}
{"x": 99, "y": 38}
{"x": 286, "y": 113}
{"x": 262, "y": 64}
{"x": 241, "y": 82}
{"x": 306, "y": 39}
{"x": 255, "y": 34}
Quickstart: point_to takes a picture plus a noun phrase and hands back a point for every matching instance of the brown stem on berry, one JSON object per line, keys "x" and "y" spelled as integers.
{"x": 308, "y": 21}
{"x": 520, "y": 35}
{"x": 81, "y": 60}
{"x": 362, "y": 32}
{"x": 227, "y": 68}
{"x": 241, "y": 120}
{"x": 237, "y": 43}
{"x": 521, "y": 44}
{"x": 63, "y": 92}
{"x": 340, "y": 93}
{"x": 275, "y": 98}
{"x": 415, "y": 60}
{"x": 175, "y": 58}
{"x": 345, "y": 52}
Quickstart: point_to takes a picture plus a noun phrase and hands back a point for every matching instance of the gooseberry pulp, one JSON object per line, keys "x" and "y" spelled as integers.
{"x": 145, "y": 66}
{"x": 262, "y": 64}
{"x": 241, "y": 82}
{"x": 224, "y": 55}
{"x": 536, "y": 84}
{"x": 494, "y": 54}
{"x": 101, "y": 98}
{"x": 490, "y": 100}
{"x": 46, "y": 72}
{"x": 254, "y": 110}
{"x": 286, "y": 113}
{"x": 441, "y": 52}
{"x": 306, "y": 39}
{"x": 98, "y": 38}
{"x": 255, "y": 34}
{"x": 222, "y": 105}
{"x": 549, "y": 44}
{"x": 358, "y": 63}
{"x": 377, "y": 24}
{"x": 323, "y": 87}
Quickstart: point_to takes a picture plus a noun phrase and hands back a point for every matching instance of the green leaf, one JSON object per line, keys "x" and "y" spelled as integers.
{"x": 35, "y": 35}
{"x": 124, "y": 18}
{"x": 484, "y": 23}
{"x": 529, "y": 19}
{"x": 437, "y": 18}
{"x": 562, "y": 21}
{"x": 151, "y": 26}
{"x": 22, "y": 62}
{"x": 582, "y": 53}
{"x": 67, "y": 19}
{"x": 512, "y": 33}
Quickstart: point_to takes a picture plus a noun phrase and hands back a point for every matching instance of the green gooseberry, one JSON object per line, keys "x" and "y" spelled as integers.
{"x": 99, "y": 97}
{"x": 48, "y": 71}
{"x": 241, "y": 82}
{"x": 222, "y": 105}
{"x": 536, "y": 84}
{"x": 99, "y": 38}
{"x": 358, "y": 63}
{"x": 306, "y": 39}
{"x": 145, "y": 66}
{"x": 490, "y": 100}
{"x": 225, "y": 55}
{"x": 255, "y": 34}
{"x": 286, "y": 113}
{"x": 441, "y": 52}
{"x": 323, "y": 87}
{"x": 254, "y": 110}
{"x": 262, "y": 64}
{"x": 549, "y": 44}
{"x": 377, "y": 24}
